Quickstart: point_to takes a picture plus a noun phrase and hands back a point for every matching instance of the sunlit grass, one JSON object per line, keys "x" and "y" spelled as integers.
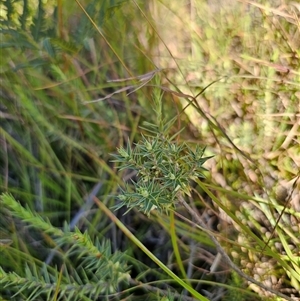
{"x": 255, "y": 109}
{"x": 56, "y": 144}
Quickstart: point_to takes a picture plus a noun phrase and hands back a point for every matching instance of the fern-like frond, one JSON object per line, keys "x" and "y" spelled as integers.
{"x": 41, "y": 285}
{"x": 87, "y": 271}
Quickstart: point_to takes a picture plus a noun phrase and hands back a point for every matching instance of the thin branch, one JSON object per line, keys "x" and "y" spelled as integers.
{"x": 220, "y": 249}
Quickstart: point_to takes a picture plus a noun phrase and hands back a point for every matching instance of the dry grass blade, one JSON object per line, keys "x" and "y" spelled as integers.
{"x": 109, "y": 95}
{"x": 144, "y": 77}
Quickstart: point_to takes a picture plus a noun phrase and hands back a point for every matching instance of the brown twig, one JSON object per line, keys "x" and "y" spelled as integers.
{"x": 202, "y": 224}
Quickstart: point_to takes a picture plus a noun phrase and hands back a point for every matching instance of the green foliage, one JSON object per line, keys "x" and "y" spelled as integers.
{"x": 97, "y": 271}
{"x": 164, "y": 168}
{"x": 65, "y": 106}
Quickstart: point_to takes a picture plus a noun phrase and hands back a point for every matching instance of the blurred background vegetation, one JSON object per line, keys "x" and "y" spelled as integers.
{"x": 56, "y": 143}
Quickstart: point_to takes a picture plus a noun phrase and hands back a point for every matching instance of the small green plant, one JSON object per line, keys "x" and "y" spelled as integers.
{"x": 89, "y": 269}
{"x": 164, "y": 168}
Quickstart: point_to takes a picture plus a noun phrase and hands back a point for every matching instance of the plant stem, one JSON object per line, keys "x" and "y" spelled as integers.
{"x": 220, "y": 249}
{"x": 123, "y": 228}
